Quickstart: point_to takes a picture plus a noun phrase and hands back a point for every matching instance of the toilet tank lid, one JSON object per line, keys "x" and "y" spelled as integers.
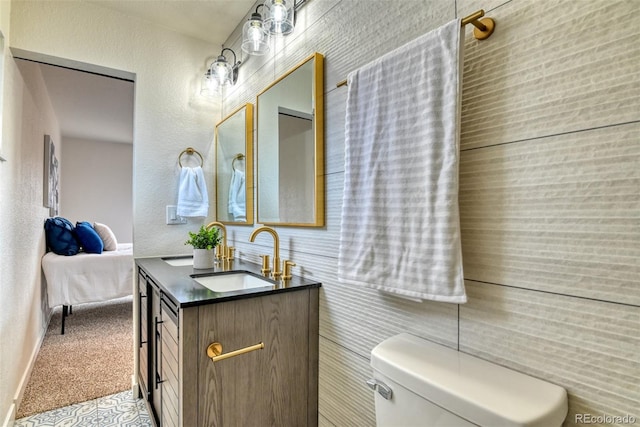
{"x": 481, "y": 392}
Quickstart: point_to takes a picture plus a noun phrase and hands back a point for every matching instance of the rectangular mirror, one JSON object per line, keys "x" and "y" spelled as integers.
{"x": 290, "y": 161}
{"x": 234, "y": 167}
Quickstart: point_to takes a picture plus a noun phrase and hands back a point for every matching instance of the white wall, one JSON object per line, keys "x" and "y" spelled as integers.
{"x": 27, "y": 117}
{"x": 549, "y": 200}
{"x": 97, "y": 184}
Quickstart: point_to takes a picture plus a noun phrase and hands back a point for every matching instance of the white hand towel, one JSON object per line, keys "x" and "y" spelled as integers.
{"x": 193, "y": 199}
{"x": 400, "y": 229}
{"x": 237, "y": 199}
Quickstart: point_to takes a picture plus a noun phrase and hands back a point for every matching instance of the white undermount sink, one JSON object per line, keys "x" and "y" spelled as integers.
{"x": 232, "y": 282}
{"x": 179, "y": 261}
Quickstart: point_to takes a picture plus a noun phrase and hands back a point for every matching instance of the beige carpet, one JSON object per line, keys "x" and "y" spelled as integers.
{"x": 94, "y": 357}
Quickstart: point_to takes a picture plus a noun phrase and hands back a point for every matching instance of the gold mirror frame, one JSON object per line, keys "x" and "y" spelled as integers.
{"x": 265, "y": 147}
{"x": 228, "y": 159}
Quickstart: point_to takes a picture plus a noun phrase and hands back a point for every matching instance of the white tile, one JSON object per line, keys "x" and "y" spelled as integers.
{"x": 80, "y": 414}
{"x": 559, "y": 214}
{"x": 545, "y": 71}
{"x": 118, "y": 410}
{"x": 345, "y": 400}
{"x": 45, "y": 419}
{"x": 588, "y": 347}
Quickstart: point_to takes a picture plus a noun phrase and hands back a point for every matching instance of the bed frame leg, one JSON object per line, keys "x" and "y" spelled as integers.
{"x": 65, "y": 313}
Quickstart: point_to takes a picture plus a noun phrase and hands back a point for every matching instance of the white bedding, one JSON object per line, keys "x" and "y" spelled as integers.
{"x": 86, "y": 277}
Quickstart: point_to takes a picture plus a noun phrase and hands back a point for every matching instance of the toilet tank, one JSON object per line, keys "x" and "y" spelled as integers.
{"x": 421, "y": 383}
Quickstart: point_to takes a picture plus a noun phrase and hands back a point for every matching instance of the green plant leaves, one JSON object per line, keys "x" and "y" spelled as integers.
{"x": 204, "y": 238}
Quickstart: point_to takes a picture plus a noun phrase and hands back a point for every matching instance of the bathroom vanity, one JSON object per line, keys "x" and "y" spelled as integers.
{"x": 226, "y": 354}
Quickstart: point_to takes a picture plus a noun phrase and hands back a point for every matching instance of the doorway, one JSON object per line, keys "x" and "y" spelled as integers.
{"x": 94, "y": 110}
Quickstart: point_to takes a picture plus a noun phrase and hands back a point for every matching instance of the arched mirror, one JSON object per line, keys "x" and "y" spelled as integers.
{"x": 234, "y": 167}
{"x": 290, "y": 147}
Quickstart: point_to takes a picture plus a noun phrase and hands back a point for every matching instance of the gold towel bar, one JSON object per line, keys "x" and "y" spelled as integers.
{"x": 214, "y": 351}
{"x": 484, "y": 28}
{"x": 190, "y": 151}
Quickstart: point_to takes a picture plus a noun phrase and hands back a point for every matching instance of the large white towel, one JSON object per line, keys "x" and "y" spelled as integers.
{"x": 193, "y": 199}
{"x": 400, "y": 228}
{"x": 237, "y": 197}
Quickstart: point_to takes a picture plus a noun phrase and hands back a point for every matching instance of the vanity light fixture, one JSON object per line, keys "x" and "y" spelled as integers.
{"x": 255, "y": 37}
{"x": 220, "y": 74}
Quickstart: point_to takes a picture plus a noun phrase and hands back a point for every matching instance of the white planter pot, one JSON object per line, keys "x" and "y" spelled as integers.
{"x": 203, "y": 258}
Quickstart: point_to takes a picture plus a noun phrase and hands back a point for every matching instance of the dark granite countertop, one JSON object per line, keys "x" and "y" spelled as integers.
{"x": 178, "y": 284}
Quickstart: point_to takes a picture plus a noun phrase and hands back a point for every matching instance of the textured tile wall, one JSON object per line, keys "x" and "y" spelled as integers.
{"x": 549, "y": 196}
{"x": 556, "y": 213}
{"x": 550, "y": 200}
{"x": 587, "y": 346}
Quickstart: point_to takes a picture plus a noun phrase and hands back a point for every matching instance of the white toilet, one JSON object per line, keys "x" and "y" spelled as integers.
{"x": 420, "y": 383}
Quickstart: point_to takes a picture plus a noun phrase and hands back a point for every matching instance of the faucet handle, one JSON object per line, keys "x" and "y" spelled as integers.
{"x": 287, "y": 269}
{"x": 221, "y": 251}
{"x": 230, "y": 252}
{"x": 276, "y": 273}
{"x": 265, "y": 270}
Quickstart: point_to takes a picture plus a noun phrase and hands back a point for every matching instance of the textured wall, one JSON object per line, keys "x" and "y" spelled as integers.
{"x": 27, "y": 117}
{"x": 549, "y": 196}
{"x": 96, "y": 184}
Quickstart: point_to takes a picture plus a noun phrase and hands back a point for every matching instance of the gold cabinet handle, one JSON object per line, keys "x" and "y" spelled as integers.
{"x": 214, "y": 351}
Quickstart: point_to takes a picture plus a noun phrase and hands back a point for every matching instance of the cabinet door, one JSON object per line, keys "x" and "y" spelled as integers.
{"x": 169, "y": 367}
{"x": 155, "y": 353}
{"x": 266, "y": 387}
{"x": 143, "y": 334}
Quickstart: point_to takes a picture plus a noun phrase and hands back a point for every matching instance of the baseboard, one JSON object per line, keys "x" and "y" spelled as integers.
{"x": 134, "y": 386}
{"x": 11, "y": 416}
{"x": 22, "y": 386}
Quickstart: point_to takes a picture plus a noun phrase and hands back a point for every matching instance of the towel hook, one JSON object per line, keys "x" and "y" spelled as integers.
{"x": 238, "y": 156}
{"x": 190, "y": 151}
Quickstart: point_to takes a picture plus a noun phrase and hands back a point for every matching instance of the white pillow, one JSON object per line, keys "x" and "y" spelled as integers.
{"x": 107, "y": 236}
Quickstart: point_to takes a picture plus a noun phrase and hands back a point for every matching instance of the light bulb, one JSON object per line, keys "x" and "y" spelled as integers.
{"x": 210, "y": 86}
{"x": 279, "y": 12}
{"x": 255, "y": 32}
{"x": 279, "y": 17}
{"x": 221, "y": 73}
{"x": 255, "y": 40}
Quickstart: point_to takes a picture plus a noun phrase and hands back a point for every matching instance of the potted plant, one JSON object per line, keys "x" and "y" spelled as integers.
{"x": 203, "y": 242}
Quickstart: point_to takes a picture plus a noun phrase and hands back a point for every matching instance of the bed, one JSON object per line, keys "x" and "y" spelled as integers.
{"x": 88, "y": 277}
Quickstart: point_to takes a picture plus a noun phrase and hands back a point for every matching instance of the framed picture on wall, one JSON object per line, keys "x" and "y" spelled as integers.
{"x": 50, "y": 188}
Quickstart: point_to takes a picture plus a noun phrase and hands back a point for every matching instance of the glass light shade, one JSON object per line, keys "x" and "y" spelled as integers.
{"x": 279, "y": 16}
{"x": 222, "y": 71}
{"x": 255, "y": 40}
{"x": 210, "y": 87}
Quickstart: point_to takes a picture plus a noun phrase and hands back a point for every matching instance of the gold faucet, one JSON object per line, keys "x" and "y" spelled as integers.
{"x": 276, "y": 272}
{"x": 221, "y": 250}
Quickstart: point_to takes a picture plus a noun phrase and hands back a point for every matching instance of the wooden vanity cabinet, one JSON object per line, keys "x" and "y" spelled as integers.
{"x": 275, "y": 386}
{"x": 158, "y": 353}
